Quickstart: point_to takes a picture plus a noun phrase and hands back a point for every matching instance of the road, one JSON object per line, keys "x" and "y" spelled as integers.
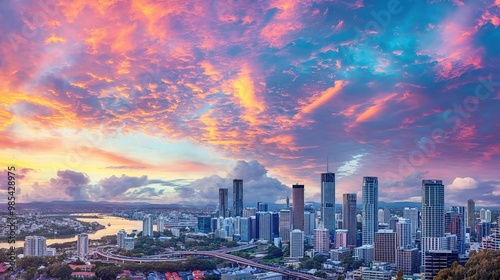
{"x": 221, "y": 254}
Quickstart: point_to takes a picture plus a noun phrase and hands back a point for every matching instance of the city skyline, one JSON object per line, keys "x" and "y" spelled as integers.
{"x": 132, "y": 101}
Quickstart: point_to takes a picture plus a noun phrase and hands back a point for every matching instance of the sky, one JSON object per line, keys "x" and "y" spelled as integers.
{"x": 167, "y": 101}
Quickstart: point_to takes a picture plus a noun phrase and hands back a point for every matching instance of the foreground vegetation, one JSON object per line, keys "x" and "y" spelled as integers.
{"x": 483, "y": 265}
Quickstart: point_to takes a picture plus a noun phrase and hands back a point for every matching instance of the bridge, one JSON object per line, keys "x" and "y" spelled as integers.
{"x": 221, "y": 254}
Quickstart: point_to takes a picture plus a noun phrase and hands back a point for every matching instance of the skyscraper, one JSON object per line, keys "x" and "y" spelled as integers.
{"x": 349, "y": 216}
{"x": 297, "y": 243}
{"x": 432, "y": 208}
{"x": 370, "y": 209}
{"x": 412, "y": 215}
{"x": 309, "y": 222}
{"x": 35, "y": 246}
{"x": 160, "y": 224}
{"x": 384, "y": 247}
{"x": 321, "y": 240}
{"x": 298, "y": 207}
{"x": 147, "y": 225}
{"x": 238, "y": 197}
{"x": 120, "y": 238}
{"x": 82, "y": 244}
{"x": 471, "y": 215}
{"x": 403, "y": 233}
{"x": 265, "y": 230}
{"x": 285, "y": 224}
{"x": 454, "y": 224}
{"x": 328, "y": 201}
{"x": 223, "y": 202}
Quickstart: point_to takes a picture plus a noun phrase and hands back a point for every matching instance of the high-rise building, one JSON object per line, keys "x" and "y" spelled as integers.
{"x": 35, "y": 246}
{"x": 262, "y": 207}
{"x": 204, "y": 225}
{"x": 364, "y": 253}
{"x": 349, "y": 216}
{"x": 454, "y": 224}
{"x": 147, "y": 225}
{"x": 408, "y": 260}
{"x": 370, "y": 209}
{"x": 129, "y": 243}
{"x": 160, "y": 224}
{"x": 384, "y": 247}
{"x": 471, "y": 215}
{"x": 403, "y": 233}
{"x": 436, "y": 260}
{"x": 285, "y": 224}
{"x": 246, "y": 229}
{"x": 223, "y": 203}
{"x": 322, "y": 240}
{"x": 483, "y": 230}
{"x": 298, "y": 207}
{"x": 341, "y": 238}
{"x": 328, "y": 201}
{"x": 412, "y": 215}
{"x": 238, "y": 197}
{"x": 482, "y": 214}
{"x": 264, "y": 220}
{"x": 82, "y": 244}
{"x": 487, "y": 215}
{"x": 120, "y": 238}
{"x": 297, "y": 243}
{"x": 432, "y": 208}
{"x": 309, "y": 222}
{"x": 381, "y": 215}
{"x": 249, "y": 211}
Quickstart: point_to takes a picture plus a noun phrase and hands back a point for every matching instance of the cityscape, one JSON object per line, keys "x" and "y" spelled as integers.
{"x": 250, "y": 139}
{"x": 299, "y": 240}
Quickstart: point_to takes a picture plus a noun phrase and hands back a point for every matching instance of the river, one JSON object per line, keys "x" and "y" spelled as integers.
{"x": 117, "y": 223}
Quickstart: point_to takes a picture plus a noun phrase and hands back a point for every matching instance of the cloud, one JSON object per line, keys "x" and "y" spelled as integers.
{"x": 466, "y": 183}
{"x": 257, "y": 185}
{"x": 72, "y": 183}
{"x": 113, "y": 187}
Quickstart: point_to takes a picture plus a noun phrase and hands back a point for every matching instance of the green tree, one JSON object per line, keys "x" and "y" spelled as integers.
{"x": 63, "y": 272}
{"x": 108, "y": 272}
{"x": 399, "y": 275}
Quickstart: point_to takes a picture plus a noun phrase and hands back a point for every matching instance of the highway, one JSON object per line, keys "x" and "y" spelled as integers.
{"x": 221, "y": 254}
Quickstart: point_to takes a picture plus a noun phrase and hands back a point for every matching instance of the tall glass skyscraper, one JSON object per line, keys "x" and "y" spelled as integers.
{"x": 471, "y": 215}
{"x": 349, "y": 216}
{"x": 223, "y": 202}
{"x": 238, "y": 197}
{"x": 328, "y": 202}
{"x": 298, "y": 207}
{"x": 432, "y": 208}
{"x": 370, "y": 209}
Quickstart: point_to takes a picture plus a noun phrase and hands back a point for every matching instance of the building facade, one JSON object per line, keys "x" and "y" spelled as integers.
{"x": 238, "y": 197}
{"x": 298, "y": 207}
{"x": 349, "y": 217}
{"x": 370, "y": 209}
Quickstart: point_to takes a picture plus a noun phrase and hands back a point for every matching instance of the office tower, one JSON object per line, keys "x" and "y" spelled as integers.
{"x": 432, "y": 208}
{"x": 238, "y": 197}
{"x": 341, "y": 238}
{"x": 262, "y": 207}
{"x": 471, "y": 215}
{"x": 403, "y": 233}
{"x": 214, "y": 224}
{"x": 160, "y": 224}
{"x": 483, "y": 230}
{"x": 454, "y": 224}
{"x": 296, "y": 243}
{"x": 285, "y": 224}
{"x": 370, "y": 209}
{"x": 298, "y": 207}
{"x": 275, "y": 225}
{"x": 481, "y": 214}
{"x": 328, "y": 201}
{"x": 384, "y": 247}
{"x": 120, "y": 238}
{"x": 408, "y": 260}
{"x": 82, "y": 244}
{"x": 204, "y": 225}
{"x": 349, "y": 216}
{"x": 487, "y": 215}
{"x": 492, "y": 241}
{"x": 264, "y": 221}
{"x": 392, "y": 222}
{"x": 364, "y": 253}
{"x": 322, "y": 240}
{"x": 381, "y": 216}
{"x": 223, "y": 203}
{"x": 35, "y": 246}
{"x": 249, "y": 212}
{"x": 387, "y": 214}
{"x": 309, "y": 222}
{"x": 338, "y": 219}
{"x": 359, "y": 218}
{"x": 435, "y": 260}
{"x": 412, "y": 215}
{"x": 246, "y": 229}
{"x": 236, "y": 225}
{"x": 147, "y": 226}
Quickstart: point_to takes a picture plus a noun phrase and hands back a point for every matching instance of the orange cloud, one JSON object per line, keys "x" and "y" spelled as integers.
{"x": 323, "y": 97}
